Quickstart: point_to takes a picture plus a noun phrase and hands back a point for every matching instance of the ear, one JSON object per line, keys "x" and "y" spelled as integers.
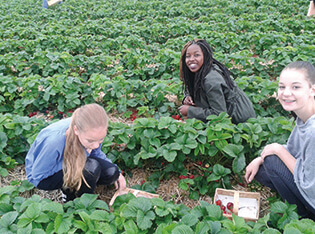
{"x": 75, "y": 129}
{"x": 313, "y": 90}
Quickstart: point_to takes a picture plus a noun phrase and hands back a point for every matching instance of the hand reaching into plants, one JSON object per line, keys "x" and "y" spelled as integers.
{"x": 120, "y": 184}
{"x": 188, "y": 101}
{"x": 183, "y": 109}
{"x": 252, "y": 169}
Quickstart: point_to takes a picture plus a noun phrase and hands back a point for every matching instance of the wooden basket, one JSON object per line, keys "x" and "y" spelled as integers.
{"x": 137, "y": 193}
{"x": 245, "y": 204}
{"x": 53, "y": 2}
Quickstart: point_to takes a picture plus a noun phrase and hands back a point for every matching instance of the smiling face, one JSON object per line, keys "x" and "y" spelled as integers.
{"x": 92, "y": 138}
{"x": 295, "y": 93}
{"x": 194, "y": 58}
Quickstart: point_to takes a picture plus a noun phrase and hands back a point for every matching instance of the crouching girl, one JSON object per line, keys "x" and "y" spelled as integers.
{"x": 67, "y": 155}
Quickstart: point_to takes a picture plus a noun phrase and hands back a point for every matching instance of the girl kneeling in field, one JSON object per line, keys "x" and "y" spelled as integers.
{"x": 290, "y": 169}
{"x": 209, "y": 88}
{"x": 67, "y": 155}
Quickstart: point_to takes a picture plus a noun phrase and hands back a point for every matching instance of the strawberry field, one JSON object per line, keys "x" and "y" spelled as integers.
{"x": 125, "y": 55}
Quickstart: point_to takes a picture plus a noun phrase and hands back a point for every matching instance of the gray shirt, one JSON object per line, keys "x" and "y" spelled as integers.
{"x": 216, "y": 97}
{"x": 301, "y": 144}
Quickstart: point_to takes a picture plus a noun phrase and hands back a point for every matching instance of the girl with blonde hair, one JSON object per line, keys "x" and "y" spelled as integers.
{"x": 67, "y": 155}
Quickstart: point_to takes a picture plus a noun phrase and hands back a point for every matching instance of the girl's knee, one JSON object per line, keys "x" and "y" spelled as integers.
{"x": 93, "y": 167}
{"x": 113, "y": 171}
{"x": 272, "y": 162}
{"x": 110, "y": 175}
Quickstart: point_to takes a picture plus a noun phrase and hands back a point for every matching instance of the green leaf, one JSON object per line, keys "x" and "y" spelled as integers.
{"x": 182, "y": 229}
{"x": 278, "y": 207}
{"x": 189, "y": 220}
{"x": 3, "y": 140}
{"x": 131, "y": 227}
{"x": 239, "y": 164}
{"x": 214, "y": 212}
{"x": 202, "y": 227}
{"x": 42, "y": 218}
{"x": 144, "y": 219}
{"x": 218, "y": 169}
{"x": 53, "y": 207}
{"x": 5, "y": 208}
{"x": 80, "y": 225}
{"x": 170, "y": 155}
{"x": 292, "y": 230}
{"x": 87, "y": 199}
{"x": 104, "y": 228}
{"x": 62, "y": 224}
{"x": 129, "y": 211}
{"x": 212, "y": 151}
{"x": 155, "y": 142}
{"x": 233, "y": 150}
{"x": 175, "y": 146}
{"x": 99, "y": 215}
{"x": 161, "y": 211}
{"x": 33, "y": 210}
{"x": 8, "y": 219}
{"x": 271, "y": 231}
{"x": 23, "y": 222}
{"x": 142, "y": 203}
{"x": 213, "y": 177}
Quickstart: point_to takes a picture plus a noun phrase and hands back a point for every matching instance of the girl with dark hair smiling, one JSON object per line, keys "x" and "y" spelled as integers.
{"x": 209, "y": 87}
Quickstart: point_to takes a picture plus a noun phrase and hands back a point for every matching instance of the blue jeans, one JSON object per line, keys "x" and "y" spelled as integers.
{"x": 45, "y": 4}
{"x": 96, "y": 171}
{"x": 274, "y": 174}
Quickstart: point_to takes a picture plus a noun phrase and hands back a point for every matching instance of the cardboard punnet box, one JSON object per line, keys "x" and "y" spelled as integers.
{"x": 136, "y": 192}
{"x": 245, "y": 204}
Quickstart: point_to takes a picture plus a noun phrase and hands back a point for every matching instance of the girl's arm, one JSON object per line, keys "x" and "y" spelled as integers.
{"x": 120, "y": 184}
{"x": 214, "y": 102}
{"x": 252, "y": 169}
{"x": 281, "y": 152}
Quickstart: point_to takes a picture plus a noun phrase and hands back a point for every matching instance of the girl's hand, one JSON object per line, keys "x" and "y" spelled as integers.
{"x": 183, "y": 109}
{"x": 188, "y": 101}
{"x": 252, "y": 169}
{"x": 271, "y": 149}
{"x": 120, "y": 184}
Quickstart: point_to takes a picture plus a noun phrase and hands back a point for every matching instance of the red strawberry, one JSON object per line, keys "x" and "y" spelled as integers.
{"x": 191, "y": 177}
{"x": 222, "y": 208}
{"x": 218, "y": 202}
{"x": 182, "y": 177}
{"x": 229, "y": 205}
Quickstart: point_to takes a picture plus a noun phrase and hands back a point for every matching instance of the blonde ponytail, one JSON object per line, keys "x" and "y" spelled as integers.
{"x": 84, "y": 118}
